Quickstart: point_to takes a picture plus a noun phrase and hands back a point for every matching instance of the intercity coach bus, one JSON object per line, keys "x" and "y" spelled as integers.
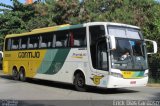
{"x": 99, "y": 54}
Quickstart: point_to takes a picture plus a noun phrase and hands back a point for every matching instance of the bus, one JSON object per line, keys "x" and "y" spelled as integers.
{"x": 99, "y": 54}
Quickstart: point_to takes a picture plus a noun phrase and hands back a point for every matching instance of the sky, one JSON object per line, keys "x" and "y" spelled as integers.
{"x": 10, "y": 2}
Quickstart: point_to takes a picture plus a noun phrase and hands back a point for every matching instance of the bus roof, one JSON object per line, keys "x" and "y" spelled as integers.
{"x": 67, "y": 26}
{"x": 46, "y": 29}
{"x": 112, "y": 23}
{"x": 122, "y": 25}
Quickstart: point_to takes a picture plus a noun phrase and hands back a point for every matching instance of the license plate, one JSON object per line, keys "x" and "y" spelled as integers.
{"x": 133, "y": 82}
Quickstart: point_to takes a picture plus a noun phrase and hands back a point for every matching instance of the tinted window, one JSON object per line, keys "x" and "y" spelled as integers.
{"x": 24, "y": 41}
{"x": 8, "y": 44}
{"x": 33, "y": 42}
{"x": 61, "y": 39}
{"x": 77, "y": 37}
{"x": 96, "y": 32}
{"x": 15, "y": 43}
{"x": 102, "y": 56}
{"x": 46, "y": 40}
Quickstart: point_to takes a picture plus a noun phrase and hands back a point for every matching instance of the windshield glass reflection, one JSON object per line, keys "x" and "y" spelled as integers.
{"x": 129, "y": 54}
{"x": 130, "y": 50}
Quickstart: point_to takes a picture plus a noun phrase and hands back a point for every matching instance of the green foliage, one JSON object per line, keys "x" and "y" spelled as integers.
{"x": 20, "y": 17}
{"x": 66, "y": 12}
{"x": 14, "y": 18}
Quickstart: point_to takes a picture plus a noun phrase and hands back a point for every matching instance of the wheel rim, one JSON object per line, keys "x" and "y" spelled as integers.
{"x": 21, "y": 75}
{"x": 80, "y": 82}
{"x": 14, "y": 73}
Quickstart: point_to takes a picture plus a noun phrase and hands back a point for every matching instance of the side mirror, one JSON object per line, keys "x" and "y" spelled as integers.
{"x": 154, "y": 45}
{"x": 112, "y": 42}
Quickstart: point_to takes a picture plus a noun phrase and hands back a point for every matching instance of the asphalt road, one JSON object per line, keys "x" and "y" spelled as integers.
{"x": 40, "y": 90}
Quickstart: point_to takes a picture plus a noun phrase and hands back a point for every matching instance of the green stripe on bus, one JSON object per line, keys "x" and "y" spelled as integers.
{"x": 139, "y": 74}
{"x": 71, "y": 27}
{"x": 53, "y": 61}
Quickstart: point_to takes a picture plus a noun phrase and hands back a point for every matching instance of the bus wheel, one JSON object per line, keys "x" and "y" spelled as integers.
{"x": 15, "y": 74}
{"x": 22, "y": 74}
{"x": 79, "y": 82}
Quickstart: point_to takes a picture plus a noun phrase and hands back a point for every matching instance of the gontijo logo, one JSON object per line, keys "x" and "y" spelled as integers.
{"x": 28, "y": 54}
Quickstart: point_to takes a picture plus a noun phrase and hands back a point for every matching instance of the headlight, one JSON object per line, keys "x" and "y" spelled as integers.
{"x": 116, "y": 74}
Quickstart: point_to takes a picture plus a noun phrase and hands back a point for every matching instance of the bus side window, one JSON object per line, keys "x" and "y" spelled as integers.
{"x": 96, "y": 32}
{"x": 54, "y": 41}
{"x": 24, "y": 42}
{"x": 8, "y": 44}
{"x": 102, "y": 56}
{"x": 71, "y": 39}
{"x": 33, "y": 42}
{"x": 61, "y": 39}
{"x": 15, "y": 43}
{"x": 46, "y": 40}
{"x": 78, "y": 37}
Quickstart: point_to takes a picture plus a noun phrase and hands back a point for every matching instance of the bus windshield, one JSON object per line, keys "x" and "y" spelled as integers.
{"x": 130, "y": 53}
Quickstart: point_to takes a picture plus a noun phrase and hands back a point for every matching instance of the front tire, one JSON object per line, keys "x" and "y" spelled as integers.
{"x": 79, "y": 82}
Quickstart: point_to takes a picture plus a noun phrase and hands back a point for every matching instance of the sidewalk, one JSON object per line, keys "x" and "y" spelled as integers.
{"x": 153, "y": 85}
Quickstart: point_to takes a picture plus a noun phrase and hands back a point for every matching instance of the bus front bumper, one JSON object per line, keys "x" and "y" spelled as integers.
{"x": 114, "y": 82}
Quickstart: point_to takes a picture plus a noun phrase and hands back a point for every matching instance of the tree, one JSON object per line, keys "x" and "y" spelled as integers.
{"x": 14, "y": 18}
{"x": 66, "y": 12}
{"x": 40, "y": 18}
